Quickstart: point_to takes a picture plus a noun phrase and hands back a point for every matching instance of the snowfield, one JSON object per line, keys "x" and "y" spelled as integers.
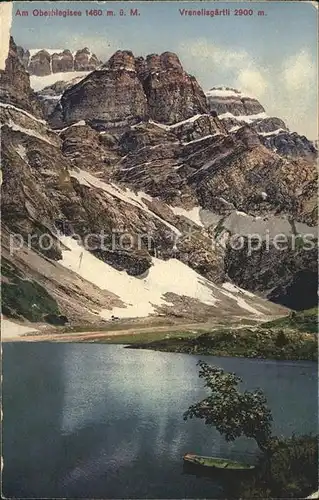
{"x": 244, "y": 118}
{"x": 143, "y": 294}
{"x": 223, "y": 92}
{"x": 139, "y": 295}
{"x": 38, "y": 83}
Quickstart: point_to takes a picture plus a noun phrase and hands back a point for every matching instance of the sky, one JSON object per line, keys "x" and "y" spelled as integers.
{"x": 272, "y": 57}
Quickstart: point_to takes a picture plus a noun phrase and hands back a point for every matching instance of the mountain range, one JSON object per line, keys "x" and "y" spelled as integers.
{"x": 135, "y": 149}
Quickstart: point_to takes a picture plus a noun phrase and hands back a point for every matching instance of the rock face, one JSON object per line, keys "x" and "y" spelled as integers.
{"x": 84, "y": 60}
{"x": 236, "y": 110}
{"x": 285, "y": 276}
{"x": 226, "y": 99}
{"x": 61, "y": 62}
{"x": 40, "y": 64}
{"x": 127, "y": 90}
{"x": 111, "y": 97}
{"x": 15, "y": 84}
{"x": 172, "y": 94}
{"x": 44, "y": 62}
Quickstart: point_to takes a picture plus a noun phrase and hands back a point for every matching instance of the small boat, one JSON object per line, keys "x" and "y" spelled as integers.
{"x": 216, "y": 463}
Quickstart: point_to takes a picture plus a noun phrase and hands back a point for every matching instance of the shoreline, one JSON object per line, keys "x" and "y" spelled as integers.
{"x": 292, "y": 337}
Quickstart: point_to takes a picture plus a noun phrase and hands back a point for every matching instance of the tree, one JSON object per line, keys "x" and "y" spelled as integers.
{"x": 232, "y": 412}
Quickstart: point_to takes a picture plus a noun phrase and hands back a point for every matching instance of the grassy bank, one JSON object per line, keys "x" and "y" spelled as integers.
{"x": 290, "y": 338}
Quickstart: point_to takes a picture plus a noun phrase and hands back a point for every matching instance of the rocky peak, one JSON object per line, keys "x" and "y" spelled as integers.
{"x": 229, "y": 100}
{"x": 248, "y": 136}
{"x": 44, "y": 62}
{"x": 237, "y": 110}
{"x": 40, "y": 64}
{"x": 15, "y": 84}
{"x": 170, "y": 60}
{"x": 121, "y": 60}
{"x": 62, "y": 62}
{"x": 84, "y": 60}
{"x": 172, "y": 94}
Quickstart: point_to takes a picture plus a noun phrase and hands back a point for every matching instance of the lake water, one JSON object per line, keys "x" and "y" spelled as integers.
{"x": 102, "y": 421}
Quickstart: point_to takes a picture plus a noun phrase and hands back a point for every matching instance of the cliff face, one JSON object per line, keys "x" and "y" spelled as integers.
{"x": 172, "y": 94}
{"x": 225, "y": 99}
{"x": 15, "y": 84}
{"x": 111, "y": 97}
{"x": 127, "y": 90}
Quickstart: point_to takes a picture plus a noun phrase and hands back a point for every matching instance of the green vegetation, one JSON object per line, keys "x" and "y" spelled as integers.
{"x": 23, "y": 298}
{"x": 289, "y": 338}
{"x": 231, "y": 412}
{"x": 249, "y": 343}
{"x": 286, "y": 468}
{"x": 303, "y": 321}
{"x": 289, "y": 470}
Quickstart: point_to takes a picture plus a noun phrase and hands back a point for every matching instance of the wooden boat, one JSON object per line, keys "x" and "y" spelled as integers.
{"x": 216, "y": 463}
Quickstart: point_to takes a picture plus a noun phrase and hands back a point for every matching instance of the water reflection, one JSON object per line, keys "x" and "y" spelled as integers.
{"x": 104, "y": 421}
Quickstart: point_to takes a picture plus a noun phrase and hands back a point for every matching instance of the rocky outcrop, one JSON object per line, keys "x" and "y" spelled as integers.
{"x": 172, "y": 94}
{"x": 127, "y": 90}
{"x": 110, "y": 98}
{"x": 287, "y": 277}
{"x": 237, "y": 110}
{"x": 61, "y": 62}
{"x": 84, "y": 60}
{"x": 226, "y": 99}
{"x": 46, "y": 61}
{"x": 219, "y": 172}
{"x": 40, "y": 64}
{"x": 15, "y": 84}
{"x": 290, "y": 144}
{"x": 89, "y": 149}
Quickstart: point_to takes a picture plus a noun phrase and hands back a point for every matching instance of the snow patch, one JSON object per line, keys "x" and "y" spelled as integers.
{"x": 141, "y": 296}
{"x": 178, "y": 124}
{"x": 200, "y": 139}
{"x": 235, "y": 289}
{"x": 27, "y": 131}
{"x": 241, "y": 302}
{"x": 80, "y": 123}
{"x": 21, "y": 150}
{"x": 38, "y": 83}
{"x": 10, "y": 106}
{"x": 243, "y": 118}
{"x": 273, "y": 132}
{"x": 126, "y": 195}
{"x": 193, "y": 214}
{"x": 189, "y": 120}
{"x": 51, "y": 97}
{"x": 224, "y": 92}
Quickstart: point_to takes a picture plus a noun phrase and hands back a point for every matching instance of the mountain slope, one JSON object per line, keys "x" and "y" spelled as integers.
{"x": 143, "y": 198}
